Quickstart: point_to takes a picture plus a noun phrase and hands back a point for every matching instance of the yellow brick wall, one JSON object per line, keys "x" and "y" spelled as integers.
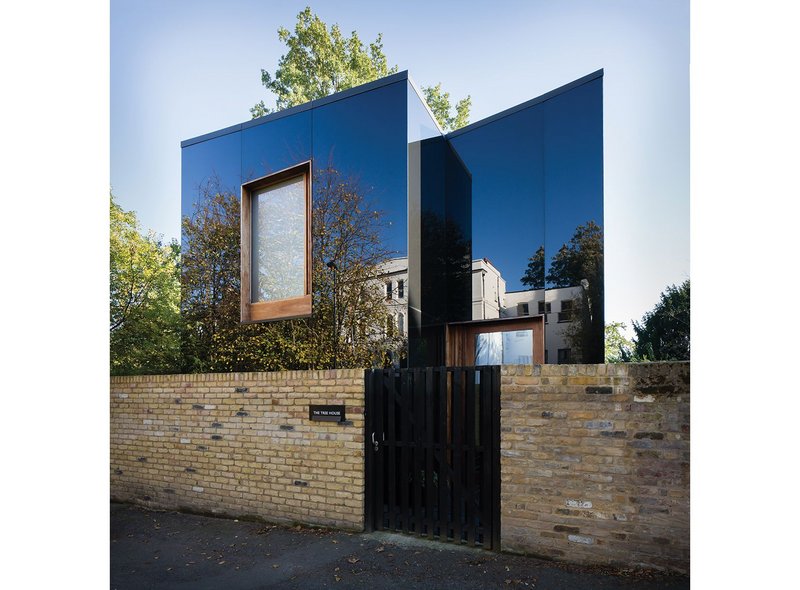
{"x": 595, "y": 463}
{"x": 241, "y": 444}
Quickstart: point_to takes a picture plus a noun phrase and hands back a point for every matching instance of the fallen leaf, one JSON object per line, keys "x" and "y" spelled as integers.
{"x": 275, "y": 565}
{"x": 220, "y": 562}
{"x": 380, "y": 549}
{"x": 334, "y": 541}
{"x": 337, "y": 578}
{"x": 353, "y": 560}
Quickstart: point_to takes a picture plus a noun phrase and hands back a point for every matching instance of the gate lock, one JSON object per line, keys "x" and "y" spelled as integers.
{"x": 375, "y": 442}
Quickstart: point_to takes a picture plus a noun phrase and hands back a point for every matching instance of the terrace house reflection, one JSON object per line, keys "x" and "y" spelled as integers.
{"x": 491, "y": 234}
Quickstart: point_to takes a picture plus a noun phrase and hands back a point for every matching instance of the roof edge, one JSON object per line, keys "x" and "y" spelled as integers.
{"x": 342, "y": 94}
{"x": 527, "y": 104}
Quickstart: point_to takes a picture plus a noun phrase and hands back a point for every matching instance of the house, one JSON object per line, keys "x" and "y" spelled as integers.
{"x": 517, "y": 187}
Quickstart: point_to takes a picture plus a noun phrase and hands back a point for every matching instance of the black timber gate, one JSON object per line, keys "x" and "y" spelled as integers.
{"x": 432, "y": 450}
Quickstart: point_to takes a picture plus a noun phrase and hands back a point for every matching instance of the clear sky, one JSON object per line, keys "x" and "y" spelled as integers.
{"x": 183, "y": 68}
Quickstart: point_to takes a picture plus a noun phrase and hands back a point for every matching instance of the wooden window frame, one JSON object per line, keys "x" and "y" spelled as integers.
{"x": 280, "y": 309}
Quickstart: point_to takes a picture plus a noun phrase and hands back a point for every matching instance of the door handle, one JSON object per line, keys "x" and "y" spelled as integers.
{"x": 374, "y": 442}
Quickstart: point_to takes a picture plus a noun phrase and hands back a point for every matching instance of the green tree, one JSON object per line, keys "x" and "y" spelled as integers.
{"x": 439, "y": 103}
{"x": 618, "y": 347}
{"x": 320, "y": 62}
{"x": 344, "y": 229}
{"x": 534, "y": 273}
{"x": 145, "y": 293}
{"x": 663, "y": 334}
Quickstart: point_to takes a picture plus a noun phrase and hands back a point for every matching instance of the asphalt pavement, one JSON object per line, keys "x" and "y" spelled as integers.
{"x": 170, "y": 550}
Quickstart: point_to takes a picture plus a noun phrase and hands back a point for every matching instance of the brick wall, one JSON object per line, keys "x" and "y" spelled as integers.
{"x": 241, "y": 445}
{"x": 595, "y": 463}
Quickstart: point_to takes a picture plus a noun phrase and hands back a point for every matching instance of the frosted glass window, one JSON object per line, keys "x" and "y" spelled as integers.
{"x": 514, "y": 347}
{"x": 518, "y": 347}
{"x": 279, "y": 241}
{"x": 489, "y": 349}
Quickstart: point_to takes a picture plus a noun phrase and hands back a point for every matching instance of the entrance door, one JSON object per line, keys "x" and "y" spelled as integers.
{"x": 433, "y": 453}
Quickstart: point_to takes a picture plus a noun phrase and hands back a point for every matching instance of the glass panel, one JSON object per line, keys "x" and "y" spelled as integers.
{"x": 279, "y": 241}
{"x": 537, "y": 216}
{"x": 512, "y": 347}
{"x": 209, "y": 168}
{"x": 573, "y": 133}
{"x": 508, "y": 222}
{"x": 489, "y": 349}
{"x": 361, "y": 141}
{"x": 518, "y": 347}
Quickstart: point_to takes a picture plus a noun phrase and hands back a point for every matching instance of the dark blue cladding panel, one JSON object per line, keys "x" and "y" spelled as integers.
{"x": 505, "y": 158}
{"x": 363, "y": 138}
{"x": 209, "y": 167}
{"x": 537, "y": 186}
{"x": 573, "y": 158}
{"x": 275, "y": 145}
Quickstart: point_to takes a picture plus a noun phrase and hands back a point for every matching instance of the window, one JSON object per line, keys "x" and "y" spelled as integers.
{"x": 511, "y": 347}
{"x": 522, "y": 309}
{"x": 401, "y": 324}
{"x": 276, "y": 246}
{"x": 400, "y": 288}
{"x": 565, "y": 315}
{"x": 563, "y": 356}
{"x": 544, "y": 307}
{"x": 388, "y": 289}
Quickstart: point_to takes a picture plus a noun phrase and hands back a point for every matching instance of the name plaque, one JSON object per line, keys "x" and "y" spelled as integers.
{"x": 326, "y": 413}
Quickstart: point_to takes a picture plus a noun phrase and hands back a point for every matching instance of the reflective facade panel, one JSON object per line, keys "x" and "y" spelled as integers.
{"x": 210, "y": 167}
{"x": 537, "y": 216}
{"x": 362, "y": 140}
{"x": 275, "y": 145}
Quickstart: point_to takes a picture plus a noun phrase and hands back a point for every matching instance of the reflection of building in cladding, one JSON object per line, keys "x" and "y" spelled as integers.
{"x": 490, "y": 300}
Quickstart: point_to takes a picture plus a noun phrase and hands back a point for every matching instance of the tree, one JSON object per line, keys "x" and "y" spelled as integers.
{"x": 144, "y": 297}
{"x": 439, "y": 103}
{"x": 534, "y": 273}
{"x": 344, "y": 229}
{"x": 618, "y": 347}
{"x": 663, "y": 334}
{"x": 320, "y": 62}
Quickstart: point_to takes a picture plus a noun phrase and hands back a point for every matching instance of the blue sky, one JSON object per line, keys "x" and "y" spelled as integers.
{"x": 183, "y": 68}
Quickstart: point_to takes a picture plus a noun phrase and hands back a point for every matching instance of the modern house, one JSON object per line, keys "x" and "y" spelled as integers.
{"x": 524, "y": 188}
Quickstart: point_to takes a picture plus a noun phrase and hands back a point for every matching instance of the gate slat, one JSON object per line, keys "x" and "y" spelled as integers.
{"x": 444, "y": 461}
{"x": 429, "y": 434}
{"x": 379, "y": 457}
{"x": 418, "y": 398}
{"x": 391, "y": 401}
{"x": 469, "y": 470}
{"x": 484, "y": 512}
{"x": 405, "y": 448}
{"x": 369, "y": 459}
{"x": 458, "y": 447}
{"x": 495, "y": 446}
